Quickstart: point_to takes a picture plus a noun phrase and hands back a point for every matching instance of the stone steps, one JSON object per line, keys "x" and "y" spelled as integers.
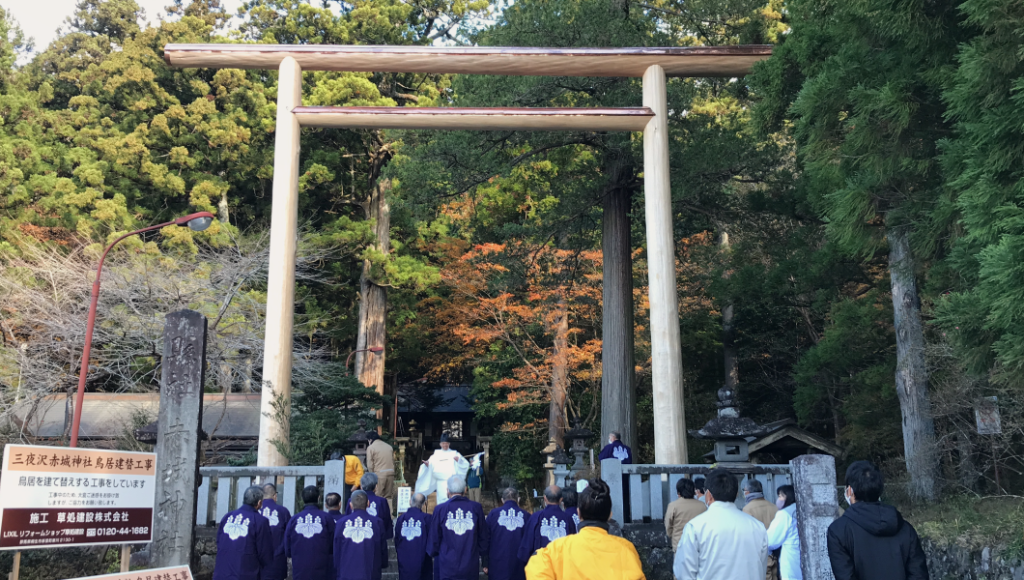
{"x": 391, "y": 572}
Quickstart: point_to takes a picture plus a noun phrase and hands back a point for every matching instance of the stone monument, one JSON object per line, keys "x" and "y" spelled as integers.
{"x": 178, "y": 438}
{"x": 814, "y": 481}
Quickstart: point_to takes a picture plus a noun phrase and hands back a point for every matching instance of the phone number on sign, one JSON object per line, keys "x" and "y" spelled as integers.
{"x": 116, "y": 531}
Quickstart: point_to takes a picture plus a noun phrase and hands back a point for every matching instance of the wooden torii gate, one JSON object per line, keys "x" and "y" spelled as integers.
{"x": 652, "y": 64}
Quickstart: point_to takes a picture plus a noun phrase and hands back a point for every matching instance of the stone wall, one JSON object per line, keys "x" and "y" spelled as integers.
{"x": 953, "y": 562}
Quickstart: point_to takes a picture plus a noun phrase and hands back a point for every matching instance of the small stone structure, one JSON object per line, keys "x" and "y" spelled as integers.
{"x": 728, "y": 430}
{"x": 179, "y": 438}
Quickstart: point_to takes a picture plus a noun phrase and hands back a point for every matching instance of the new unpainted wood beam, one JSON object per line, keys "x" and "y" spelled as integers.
{"x": 480, "y": 119}
{"x": 694, "y": 61}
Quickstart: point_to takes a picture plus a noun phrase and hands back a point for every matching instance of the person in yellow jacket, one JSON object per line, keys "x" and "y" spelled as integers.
{"x": 353, "y": 471}
{"x": 591, "y": 552}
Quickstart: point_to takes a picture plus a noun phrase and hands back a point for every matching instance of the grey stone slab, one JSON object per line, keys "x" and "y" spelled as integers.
{"x": 814, "y": 480}
{"x": 177, "y": 446}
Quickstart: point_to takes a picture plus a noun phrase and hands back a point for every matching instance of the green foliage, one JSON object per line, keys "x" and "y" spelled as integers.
{"x": 325, "y": 413}
{"x": 982, "y": 315}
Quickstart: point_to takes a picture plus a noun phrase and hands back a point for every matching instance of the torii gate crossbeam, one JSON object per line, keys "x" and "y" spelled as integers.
{"x": 652, "y": 64}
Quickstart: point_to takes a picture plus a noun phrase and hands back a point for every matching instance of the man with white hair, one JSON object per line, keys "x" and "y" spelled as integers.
{"x": 459, "y": 536}
{"x": 278, "y": 516}
{"x": 360, "y": 550}
{"x": 411, "y": 530}
{"x": 245, "y": 544}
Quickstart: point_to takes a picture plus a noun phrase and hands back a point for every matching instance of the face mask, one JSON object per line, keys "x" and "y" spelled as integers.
{"x": 610, "y": 441}
{"x": 846, "y": 498}
{"x": 780, "y": 503}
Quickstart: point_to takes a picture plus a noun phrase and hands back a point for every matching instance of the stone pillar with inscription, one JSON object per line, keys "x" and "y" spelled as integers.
{"x": 814, "y": 481}
{"x": 178, "y": 438}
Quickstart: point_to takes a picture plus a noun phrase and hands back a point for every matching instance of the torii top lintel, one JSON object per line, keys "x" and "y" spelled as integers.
{"x": 697, "y": 61}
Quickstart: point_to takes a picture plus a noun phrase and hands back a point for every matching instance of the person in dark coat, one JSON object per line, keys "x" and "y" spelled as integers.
{"x": 506, "y": 524}
{"x": 378, "y": 506}
{"x": 412, "y": 529}
{"x": 278, "y": 516}
{"x": 459, "y": 536}
{"x": 547, "y": 525}
{"x": 871, "y": 541}
{"x": 245, "y": 544}
{"x": 332, "y": 502}
{"x": 360, "y": 550}
{"x": 309, "y": 540}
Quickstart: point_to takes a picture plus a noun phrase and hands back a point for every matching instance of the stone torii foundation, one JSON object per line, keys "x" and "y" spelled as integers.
{"x": 653, "y": 65}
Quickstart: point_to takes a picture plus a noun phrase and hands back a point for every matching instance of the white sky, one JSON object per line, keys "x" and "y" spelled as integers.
{"x": 41, "y": 18}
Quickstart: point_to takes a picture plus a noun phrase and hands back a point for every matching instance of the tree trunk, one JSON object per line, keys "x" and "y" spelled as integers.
{"x": 559, "y": 374}
{"x": 618, "y": 404}
{"x": 732, "y": 372}
{"x": 224, "y": 376}
{"x": 374, "y": 298}
{"x": 222, "y": 208}
{"x": 911, "y": 373}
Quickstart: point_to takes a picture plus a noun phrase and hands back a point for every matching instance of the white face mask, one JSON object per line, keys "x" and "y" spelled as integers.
{"x": 846, "y": 497}
{"x": 610, "y": 441}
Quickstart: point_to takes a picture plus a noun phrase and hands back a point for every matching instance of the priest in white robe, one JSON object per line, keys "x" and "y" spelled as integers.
{"x": 434, "y": 473}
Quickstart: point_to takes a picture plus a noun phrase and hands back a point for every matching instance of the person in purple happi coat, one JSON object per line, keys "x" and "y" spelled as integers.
{"x": 278, "y": 516}
{"x": 459, "y": 536}
{"x": 411, "y": 530}
{"x": 377, "y": 507}
{"x": 506, "y": 523}
{"x": 309, "y": 540}
{"x": 332, "y": 502}
{"x": 547, "y": 525}
{"x": 360, "y": 550}
{"x": 245, "y": 544}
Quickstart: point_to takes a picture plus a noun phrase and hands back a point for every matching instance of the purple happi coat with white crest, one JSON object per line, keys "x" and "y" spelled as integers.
{"x": 309, "y": 542}
{"x": 378, "y": 508}
{"x": 245, "y": 545}
{"x": 411, "y": 531}
{"x": 507, "y": 524}
{"x": 360, "y": 550}
{"x": 459, "y": 537}
{"x": 278, "y": 517}
{"x": 544, "y": 527}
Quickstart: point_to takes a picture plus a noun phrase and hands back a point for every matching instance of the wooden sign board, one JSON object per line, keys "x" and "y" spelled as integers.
{"x": 60, "y": 496}
{"x": 172, "y": 573}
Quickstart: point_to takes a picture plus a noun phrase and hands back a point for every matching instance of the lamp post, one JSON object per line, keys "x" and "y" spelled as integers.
{"x": 196, "y": 222}
{"x": 353, "y": 353}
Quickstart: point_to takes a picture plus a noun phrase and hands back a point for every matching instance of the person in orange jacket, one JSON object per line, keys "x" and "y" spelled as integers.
{"x": 591, "y": 552}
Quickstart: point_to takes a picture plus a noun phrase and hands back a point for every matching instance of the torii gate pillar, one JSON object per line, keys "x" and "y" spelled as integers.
{"x": 276, "y": 399}
{"x": 666, "y": 353}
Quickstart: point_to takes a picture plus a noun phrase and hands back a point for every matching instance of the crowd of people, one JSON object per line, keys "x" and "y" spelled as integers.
{"x": 455, "y": 542}
{"x": 572, "y": 537}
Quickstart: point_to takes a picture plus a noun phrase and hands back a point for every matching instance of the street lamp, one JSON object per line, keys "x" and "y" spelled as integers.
{"x": 196, "y": 222}
{"x": 371, "y": 349}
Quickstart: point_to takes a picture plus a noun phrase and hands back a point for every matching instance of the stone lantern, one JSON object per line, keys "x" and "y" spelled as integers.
{"x": 561, "y": 459}
{"x": 729, "y": 431}
{"x": 579, "y": 437}
{"x": 359, "y": 442}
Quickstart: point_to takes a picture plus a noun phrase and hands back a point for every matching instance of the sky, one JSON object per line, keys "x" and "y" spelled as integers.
{"x": 41, "y": 18}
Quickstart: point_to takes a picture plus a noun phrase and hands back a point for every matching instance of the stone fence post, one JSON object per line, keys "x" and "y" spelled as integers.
{"x": 611, "y": 473}
{"x": 814, "y": 480}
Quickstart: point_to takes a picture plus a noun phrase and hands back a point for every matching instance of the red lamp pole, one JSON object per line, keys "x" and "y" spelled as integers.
{"x": 202, "y": 221}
